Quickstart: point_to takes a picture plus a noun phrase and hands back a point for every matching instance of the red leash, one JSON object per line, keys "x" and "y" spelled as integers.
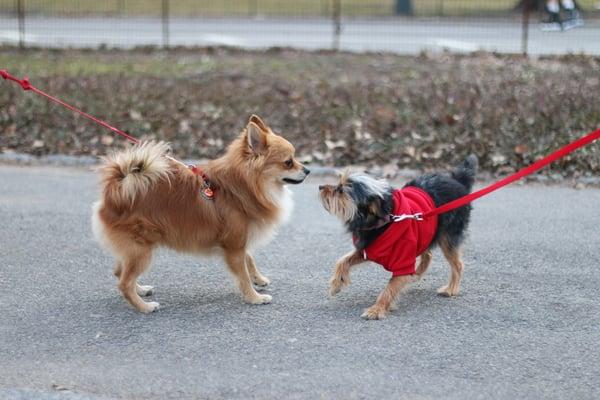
{"x": 28, "y": 86}
{"x": 207, "y": 191}
{"x": 587, "y": 139}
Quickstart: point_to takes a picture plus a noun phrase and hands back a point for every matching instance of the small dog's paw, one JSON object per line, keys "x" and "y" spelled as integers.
{"x": 144, "y": 290}
{"x": 261, "y": 280}
{"x": 149, "y": 307}
{"x": 260, "y": 299}
{"x": 375, "y": 312}
{"x": 337, "y": 283}
{"x": 445, "y": 291}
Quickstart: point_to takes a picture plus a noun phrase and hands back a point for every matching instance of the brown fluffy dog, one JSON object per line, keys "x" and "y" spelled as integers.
{"x": 149, "y": 200}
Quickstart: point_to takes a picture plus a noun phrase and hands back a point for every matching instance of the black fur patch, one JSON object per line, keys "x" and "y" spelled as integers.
{"x": 442, "y": 188}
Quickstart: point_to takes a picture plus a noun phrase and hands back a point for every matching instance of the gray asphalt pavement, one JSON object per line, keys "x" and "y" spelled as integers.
{"x": 525, "y": 326}
{"x": 405, "y": 36}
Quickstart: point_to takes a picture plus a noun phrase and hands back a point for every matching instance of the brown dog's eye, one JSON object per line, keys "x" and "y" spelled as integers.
{"x": 289, "y": 163}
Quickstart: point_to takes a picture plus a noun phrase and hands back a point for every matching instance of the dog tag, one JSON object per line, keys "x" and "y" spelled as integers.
{"x": 207, "y": 193}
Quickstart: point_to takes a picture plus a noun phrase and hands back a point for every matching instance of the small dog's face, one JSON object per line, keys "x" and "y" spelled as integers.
{"x": 274, "y": 154}
{"x": 360, "y": 201}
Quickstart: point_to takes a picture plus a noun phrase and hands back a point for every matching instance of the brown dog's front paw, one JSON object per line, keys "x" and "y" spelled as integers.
{"x": 375, "y": 312}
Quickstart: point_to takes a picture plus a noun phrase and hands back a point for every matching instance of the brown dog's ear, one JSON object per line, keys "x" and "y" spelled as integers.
{"x": 256, "y": 137}
{"x": 259, "y": 122}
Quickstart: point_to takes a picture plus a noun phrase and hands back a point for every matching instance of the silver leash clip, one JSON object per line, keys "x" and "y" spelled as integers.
{"x": 402, "y": 217}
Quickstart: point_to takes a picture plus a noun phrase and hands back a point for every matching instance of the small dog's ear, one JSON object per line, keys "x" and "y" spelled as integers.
{"x": 256, "y": 137}
{"x": 259, "y": 122}
{"x": 376, "y": 209}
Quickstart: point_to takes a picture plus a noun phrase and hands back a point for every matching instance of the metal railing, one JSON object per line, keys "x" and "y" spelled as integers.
{"x": 336, "y": 24}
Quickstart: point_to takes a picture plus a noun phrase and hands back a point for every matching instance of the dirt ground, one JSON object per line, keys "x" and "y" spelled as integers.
{"x": 337, "y": 108}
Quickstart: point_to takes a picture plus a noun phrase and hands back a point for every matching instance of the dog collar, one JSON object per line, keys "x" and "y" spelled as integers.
{"x": 206, "y": 190}
{"x": 380, "y": 224}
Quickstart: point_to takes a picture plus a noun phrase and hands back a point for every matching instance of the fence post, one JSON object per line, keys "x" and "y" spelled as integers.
{"x": 253, "y": 8}
{"x": 165, "y": 23}
{"x": 404, "y": 7}
{"x": 527, "y": 5}
{"x": 324, "y": 7}
{"x": 337, "y": 23}
{"x": 21, "y": 18}
{"x": 440, "y": 8}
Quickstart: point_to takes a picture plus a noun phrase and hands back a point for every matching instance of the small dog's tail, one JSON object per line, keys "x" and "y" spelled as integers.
{"x": 128, "y": 174}
{"x": 465, "y": 172}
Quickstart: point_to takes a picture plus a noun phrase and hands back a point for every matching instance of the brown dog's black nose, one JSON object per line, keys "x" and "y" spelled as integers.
{"x": 306, "y": 170}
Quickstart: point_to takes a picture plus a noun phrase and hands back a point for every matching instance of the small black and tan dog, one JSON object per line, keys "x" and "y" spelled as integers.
{"x": 378, "y": 216}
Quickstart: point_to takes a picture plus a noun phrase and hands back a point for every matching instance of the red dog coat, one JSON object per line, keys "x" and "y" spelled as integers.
{"x": 397, "y": 248}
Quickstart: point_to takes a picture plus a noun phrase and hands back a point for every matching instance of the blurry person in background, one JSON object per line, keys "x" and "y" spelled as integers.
{"x": 554, "y": 22}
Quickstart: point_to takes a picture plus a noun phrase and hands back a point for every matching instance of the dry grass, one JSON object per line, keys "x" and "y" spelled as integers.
{"x": 417, "y": 112}
{"x": 263, "y": 7}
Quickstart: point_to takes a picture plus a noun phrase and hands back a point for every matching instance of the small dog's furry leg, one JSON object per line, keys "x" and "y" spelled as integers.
{"x": 341, "y": 275}
{"x": 236, "y": 261}
{"x": 257, "y": 278}
{"x": 142, "y": 290}
{"x": 423, "y": 264}
{"x": 387, "y": 297}
{"x": 133, "y": 266}
{"x": 453, "y": 256}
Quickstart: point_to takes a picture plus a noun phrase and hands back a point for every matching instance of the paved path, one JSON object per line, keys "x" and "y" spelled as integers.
{"x": 525, "y": 326}
{"x": 395, "y": 35}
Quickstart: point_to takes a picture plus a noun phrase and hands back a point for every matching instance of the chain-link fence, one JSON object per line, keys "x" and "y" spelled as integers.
{"x": 402, "y": 26}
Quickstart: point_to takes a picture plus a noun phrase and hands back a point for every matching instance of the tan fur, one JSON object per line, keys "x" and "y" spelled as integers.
{"x": 385, "y": 301}
{"x": 337, "y": 202}
{"x": 387, "y": 297}
{"x": 130, "y": 173}
{"x": 341, "y": 274}
{"x": 424, "y": 262}
{"x": 149, "y": 201}
{"x": 456, "y": 269}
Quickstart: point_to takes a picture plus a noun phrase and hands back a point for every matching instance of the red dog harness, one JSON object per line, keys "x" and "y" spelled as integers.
{"x": 405, "y": 239}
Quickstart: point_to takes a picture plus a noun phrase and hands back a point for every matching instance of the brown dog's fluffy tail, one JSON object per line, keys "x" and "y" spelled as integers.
{"x": 128, "y": 174}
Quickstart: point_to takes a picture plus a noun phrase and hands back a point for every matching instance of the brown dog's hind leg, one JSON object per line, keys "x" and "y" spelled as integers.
{"x": 133, "y": 265}
{"x": 341, "y": 274}
{"x": 453, "y": 256}
{"x": 142, "y": 290}
{"x": 257, "y": 278}
{"x": 236, "y": 261}
{"x": 387, "y": 297}
{"x": 423, "y": 264}
{"x": 118, "y": 269}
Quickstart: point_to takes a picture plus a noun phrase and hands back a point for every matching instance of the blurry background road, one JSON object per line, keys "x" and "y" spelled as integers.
{"x": 404, "y": 36}
{"x": 399, "y": 26}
